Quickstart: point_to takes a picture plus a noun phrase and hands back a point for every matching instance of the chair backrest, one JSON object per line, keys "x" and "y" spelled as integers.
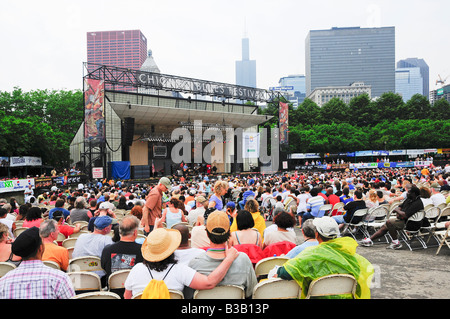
{"x": 85, "y": 263}
{"x": 52, "y": 264}
{"x": 18, "y": 231}
{"x": 69, "y": 242}
{"x": 432, "y": 213}
{"x": 81, "y": 222}
{"x": 264, "y": 266}
{"x": 379, "y": 212}
{"x": 117, "y": 279}
{"x": 278, "y": 249}
{"x": 445, "y": 212}
{"x": 139, "y": 295}
{"x": 417, "y": 217}
{"x": 221, "y": 292}
{"x": 277, "y": 288}
{"x": 70, "y": 249}
{"x": 359, "y": 213}
{"x": 97, "y": 295}
{"x": 336, "y": 284}
{"x": 326, "y": 207}
{"x": 5, "y": 267}
{"x": 85, "y": 281}
{"x": 61, "y": 237}
{"x": 76, "y": 235}
{"x": 176, "y": 294}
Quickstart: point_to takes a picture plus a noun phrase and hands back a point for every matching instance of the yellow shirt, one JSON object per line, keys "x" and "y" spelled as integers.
{"x": 260, "y": 224}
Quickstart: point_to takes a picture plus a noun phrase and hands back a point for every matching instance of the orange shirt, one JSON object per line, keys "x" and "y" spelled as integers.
{"x": 57, "y": 254}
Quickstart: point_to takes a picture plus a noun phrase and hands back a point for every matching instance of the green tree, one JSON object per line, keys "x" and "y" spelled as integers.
{"x": 334, "y": 111}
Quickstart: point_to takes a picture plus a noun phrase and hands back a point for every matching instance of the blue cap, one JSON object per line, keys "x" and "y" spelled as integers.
{"x": 231, "y": 205}
{"x": 102, "y": 222}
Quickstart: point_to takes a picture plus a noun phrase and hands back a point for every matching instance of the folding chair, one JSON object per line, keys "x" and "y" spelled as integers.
{"x": 116, "y": 281}
{"x": 69, "y": 242}
{"x": 85, "y": 281}
{"x": 354, "y": 227}
{"x": 327, "y": 208}
{"x": 97, "y": 295}
{"x": 176, "y": 294}
{"x": 52, "y": 264}
{"x": 18, "y": 231}
{"x": 76, "y": 235}
{"x": 85, "y": 263}
{"x": 5, "y": 267}
{"x": 332, "y": 285}
{"x": 277, "y": 288}
{"x": 442, "y": 236}
{"x": 408, "y": 235}
{"x": 81, "y": 222}
{"x": 264, "y": 266}
{"x": 338, "y": 209}
{"x": 375, "y": 219}
{"x": 432, "y": 215}
{"x": 221, "y": 292}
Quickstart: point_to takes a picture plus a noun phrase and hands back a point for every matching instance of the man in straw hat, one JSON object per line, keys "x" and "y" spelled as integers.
{"x": 153, "y": 204}
{"x": 160, "y": 263}
{"x": 241, "y": 272}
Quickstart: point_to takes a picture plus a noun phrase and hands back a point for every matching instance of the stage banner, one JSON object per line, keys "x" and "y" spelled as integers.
{"x": 15, "y": 185}
{"x": 94, "y": 111}
{"x": 17, "y": 161}
{"x": 283, "y": 121}
{"x": 250, "y": 145}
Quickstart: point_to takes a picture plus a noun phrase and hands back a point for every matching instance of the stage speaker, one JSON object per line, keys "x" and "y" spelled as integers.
{"x": 128, "y": 131}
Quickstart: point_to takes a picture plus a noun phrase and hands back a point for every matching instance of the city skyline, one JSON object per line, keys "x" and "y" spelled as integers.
{"x": 203, "y": 40}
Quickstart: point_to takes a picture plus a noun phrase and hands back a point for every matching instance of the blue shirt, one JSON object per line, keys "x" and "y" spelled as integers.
{"x": 298, "y": 249}
{"x": 66, "y": 213}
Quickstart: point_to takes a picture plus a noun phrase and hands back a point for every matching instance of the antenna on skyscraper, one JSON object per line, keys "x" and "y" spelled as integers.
{"x": 245, "y": 27}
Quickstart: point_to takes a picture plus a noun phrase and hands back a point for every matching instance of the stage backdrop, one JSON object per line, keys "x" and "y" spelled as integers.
{"x": 120, "y": 170}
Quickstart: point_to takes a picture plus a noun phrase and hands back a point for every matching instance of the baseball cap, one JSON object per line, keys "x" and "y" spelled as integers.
{"x": 326, "y": 226}
{"x": 436, "y": 186}
{"x": 231, "y": 205}
{"x": 102, "y": 222}
{"x": 103, "y": 205}
{"x": 166, "y": 182}
{"x": 218, "y": 220}
{"x": 200, "y": 199}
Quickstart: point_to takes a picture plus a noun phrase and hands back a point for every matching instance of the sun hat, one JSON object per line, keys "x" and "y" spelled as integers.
{"x": 326, "y": 226}
{"x": 201, "y": 199}
{"x": 160, "y": 244}
{"x": 103, "y": 205}
{"x": 218, "y": 220}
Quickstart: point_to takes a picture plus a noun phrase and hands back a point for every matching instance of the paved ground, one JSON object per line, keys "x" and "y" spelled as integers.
{"x": 405, "y": 274}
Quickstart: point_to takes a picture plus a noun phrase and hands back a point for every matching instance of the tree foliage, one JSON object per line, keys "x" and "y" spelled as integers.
{"x": 40, "y": 123}
{"x": 387, "y": 122}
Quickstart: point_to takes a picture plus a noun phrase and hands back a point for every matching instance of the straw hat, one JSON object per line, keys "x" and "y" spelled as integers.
{"x": 160, "y": 244}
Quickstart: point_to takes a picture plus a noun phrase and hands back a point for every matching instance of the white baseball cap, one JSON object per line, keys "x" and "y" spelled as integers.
{"x": 326, "y": 226}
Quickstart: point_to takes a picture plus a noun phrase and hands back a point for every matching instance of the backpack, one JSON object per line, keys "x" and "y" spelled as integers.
{"x": 156, "y": 289}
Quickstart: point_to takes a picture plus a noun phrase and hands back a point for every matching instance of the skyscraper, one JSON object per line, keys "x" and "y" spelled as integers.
{"x": 295, "y": 88}
{"x": 126, "y": 49}
{"x": 246, "y": 68}
{"x": 424, "y": 72}
{"x": 341, "y": 56}
{"x": 408, "y": 81}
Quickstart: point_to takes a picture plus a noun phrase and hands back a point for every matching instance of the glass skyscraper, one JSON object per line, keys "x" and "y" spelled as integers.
{"x": 424, "y": 74}
{"x": 296, "y": 93}
{"x": 341, "y": 56}
{"x": 408, "y": 81}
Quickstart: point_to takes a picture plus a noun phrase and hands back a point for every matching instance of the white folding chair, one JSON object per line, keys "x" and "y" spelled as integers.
{"x": 376, "y": 217}
{"x": 327, "y": 208}
{"x": 85, "y": 263}
{"x": 97, "y": 295}
{"x": 18, "y": 231}
{"x": 221, "y": 292}
{"x": 408, "y": 235}
{"x": 442, "y": 236}
{"x": 85, "y": 281}
{"x": 69, "y": 242}
{"x": 5, "y": 267}
{"x": 339, "y": 208}
{"x": 332, "y": 285}
{"x": 176, "y": 294}
{"x": 432, "y": 215}
{"x": 355, "y": 227}
{"x": 277, "y": 288}
{"x": 117, "y": 279}
{"x": 265, "y": 265}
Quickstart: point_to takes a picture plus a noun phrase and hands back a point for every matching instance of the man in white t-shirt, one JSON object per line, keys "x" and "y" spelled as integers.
{"x": 436, "y": 195}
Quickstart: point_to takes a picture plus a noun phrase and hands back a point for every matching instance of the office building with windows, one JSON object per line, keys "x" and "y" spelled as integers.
{"x": 293, "y": 88}
{"x": 414, "y": 78}
{"x": 408, "y": 82}
{"x": 341, "y": 56}
{"x": 322, "y": 95}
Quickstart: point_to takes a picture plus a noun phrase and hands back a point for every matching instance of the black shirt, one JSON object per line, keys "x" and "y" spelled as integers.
{"x": 120, "y": 255}
{"x": 351, "y": 208}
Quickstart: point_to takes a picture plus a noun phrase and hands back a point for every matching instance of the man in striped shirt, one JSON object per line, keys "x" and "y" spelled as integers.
{"x": 313, "y": 204}
{"x": 32, "y": 279}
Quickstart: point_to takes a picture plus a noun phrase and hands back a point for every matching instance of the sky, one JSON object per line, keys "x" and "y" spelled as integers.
{"x": 44, "y": 42}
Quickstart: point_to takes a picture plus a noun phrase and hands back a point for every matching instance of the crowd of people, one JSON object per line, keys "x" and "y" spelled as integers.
{"x": 204, "y": 231}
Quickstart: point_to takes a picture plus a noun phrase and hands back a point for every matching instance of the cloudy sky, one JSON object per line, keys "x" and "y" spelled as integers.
{"x": 44, "y": 42}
